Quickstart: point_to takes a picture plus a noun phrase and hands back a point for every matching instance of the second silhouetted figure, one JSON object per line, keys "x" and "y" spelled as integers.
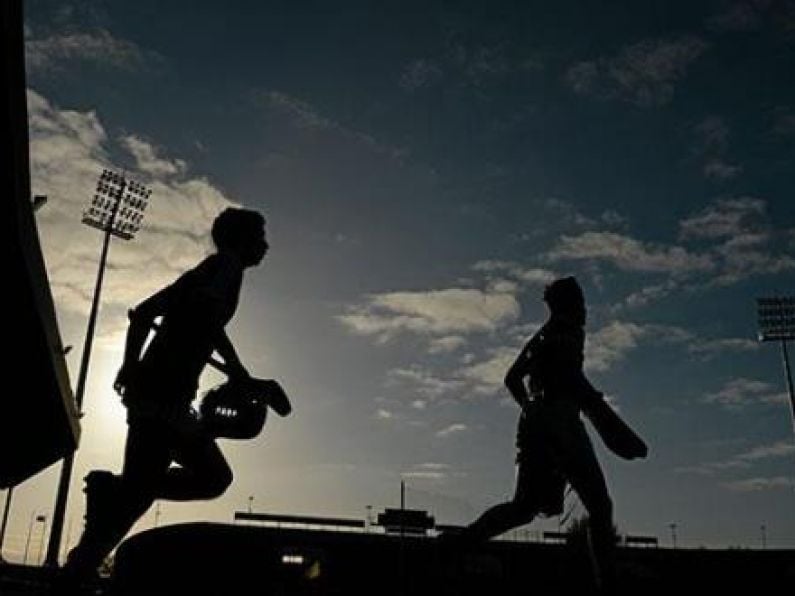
{"x": 548, "y": 383}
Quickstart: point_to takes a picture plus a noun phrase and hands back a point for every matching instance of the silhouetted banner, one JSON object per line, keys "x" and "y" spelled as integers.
{"x": 38, "y": 421}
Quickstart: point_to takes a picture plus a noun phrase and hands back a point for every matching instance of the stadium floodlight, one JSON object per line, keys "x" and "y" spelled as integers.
{"x": 117, "y": 209}
{"x": 118, "y": 205}
{"x": 777, "y": 323}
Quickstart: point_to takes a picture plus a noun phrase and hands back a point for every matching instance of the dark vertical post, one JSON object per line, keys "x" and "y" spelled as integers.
{"x": 6, "y": 509}
{"x": 788, "y": 376}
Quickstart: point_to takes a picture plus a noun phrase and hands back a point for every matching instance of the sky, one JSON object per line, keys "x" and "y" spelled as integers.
{"x": 425, "y": 169}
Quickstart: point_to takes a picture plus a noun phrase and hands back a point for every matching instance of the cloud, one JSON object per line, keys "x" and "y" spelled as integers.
{"x": 428, "y": 471}
{"x": 712, "y": 347}
{"x": 68, "y": 151}
{"x": 610, "y": 344}
{"x": 644, "y": 74}
{"x": 486, "y": 377}
{"x": 739, "y": 393}
{"x": 629, "y": 254}
{"x": 712, "y": 142}
{"x": 449, "y": 343}
{"x": 307, "y": 118}
{"x": 741, "y": 226}
{"x": 567, "y": 214}
{"x": 527, "y": 275}
{"x": 451, "y": 430}
{"x": 98, "y": 47}
{"x": 423, "y": 381}
{"x": 442, "y": 312}
{"x": 383, "y": 414}
{"x": 648, "y": 294}
{"x": 744, "y": 460}
{"x": 736, "y": 243}
{"x": 760, "y": 484}
{"x": 148, "y": 161}
{"x": 723, "y": 218}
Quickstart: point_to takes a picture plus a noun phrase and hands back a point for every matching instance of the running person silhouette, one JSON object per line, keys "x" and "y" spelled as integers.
{"x": 158, "y": 386}
{"x": 548, "y": 383}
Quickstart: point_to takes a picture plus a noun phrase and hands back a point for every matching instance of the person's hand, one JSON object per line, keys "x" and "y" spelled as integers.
{"x": 237, "y": 373}
{"x": 124, "y": 378}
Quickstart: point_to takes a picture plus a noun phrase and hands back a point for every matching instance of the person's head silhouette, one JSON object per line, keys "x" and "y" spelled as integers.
{"x": 566, "y": 299}
{"x": 242, "y": 233}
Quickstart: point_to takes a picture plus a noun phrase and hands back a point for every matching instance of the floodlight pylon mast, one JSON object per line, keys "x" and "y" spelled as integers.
{"x": 103, "y": 215}
{"x": 777, "y": 323}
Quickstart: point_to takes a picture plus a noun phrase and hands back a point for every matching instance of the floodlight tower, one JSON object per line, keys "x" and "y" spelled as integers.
{"x": 777, "y": 323}
{"x": 117, "y": 209}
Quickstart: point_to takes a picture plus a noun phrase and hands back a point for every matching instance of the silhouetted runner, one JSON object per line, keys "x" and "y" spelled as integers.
{"x": 553, "y": 446}
{"x": 158, "y": 387}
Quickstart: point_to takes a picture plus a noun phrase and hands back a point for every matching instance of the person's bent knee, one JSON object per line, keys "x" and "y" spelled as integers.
{"x": 219, "y": 483}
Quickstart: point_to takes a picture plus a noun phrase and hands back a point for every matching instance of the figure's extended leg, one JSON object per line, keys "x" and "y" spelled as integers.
{"x": 203, "y": 473}
{"x": 505, "y": 516}
{"x": 114, "y": 503}
{"x": 588, "y": 481}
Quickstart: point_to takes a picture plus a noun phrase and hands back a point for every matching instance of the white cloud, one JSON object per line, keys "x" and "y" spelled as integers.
{"x": 629, "y": 254}
{"x": 612, "y": 343}
{"x": 744, "y": 460}
{"x": 449, "y": 343}
{"x": 741, "y": 392}
{"x": 423, "y": 381}
{"x": 148, "y": 161}
{"x": 761, "y": 484}
{"x": 449, "y": 311}
{"x": 644, "y": 74}
{"x": 649, "y": 294}
{"x": 712, "y": 347}
{"x": 487, "y": 376}
{"x": 523, "y": 274}
{"x": 723, "y": 218}
{"x": 428, "y": 471}
{"x": 451, "y": 430}
{"x": 68, "y": 151}
{"x": 383, "y": 414}
{"x": 98, "y": 46}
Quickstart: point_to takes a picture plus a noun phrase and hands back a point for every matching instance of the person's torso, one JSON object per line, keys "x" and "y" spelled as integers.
{"x": 204, "y": 300}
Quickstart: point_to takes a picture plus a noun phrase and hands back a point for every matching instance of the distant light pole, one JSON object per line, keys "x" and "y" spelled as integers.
{"x": 43, "y": 520}
{"x": 250, "y": 503}
{"x": 777, "y": 323}
{"x": 673, "y": 533}
{"x": 33, "y": 519}
{"x": 117, "y": 209}
{"x": 369, "y": 509}
{"x": 763, "y": 529}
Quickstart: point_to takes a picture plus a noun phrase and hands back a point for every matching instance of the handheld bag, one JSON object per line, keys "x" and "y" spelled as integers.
{"x": 239, "y": 409}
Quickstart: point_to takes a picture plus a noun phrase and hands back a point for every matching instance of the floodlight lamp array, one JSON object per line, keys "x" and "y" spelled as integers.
{"x": 118, "y": 205}
{"x": 776, "y": 318}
